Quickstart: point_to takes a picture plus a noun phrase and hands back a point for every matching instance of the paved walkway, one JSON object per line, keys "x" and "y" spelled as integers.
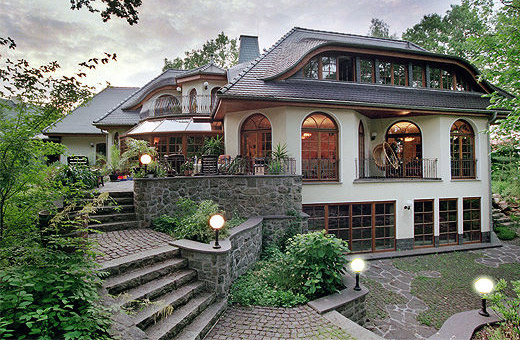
{"x": 264, "y": 323}
{"x": 117, "y": 186}
{"x": 121, "y": 243}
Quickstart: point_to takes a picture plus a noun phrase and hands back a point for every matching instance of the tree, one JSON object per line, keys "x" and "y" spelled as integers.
{"x": 223, "y": 50}
{"x": 452, "y": 33}
{"x": 380, "y": 29}
{"x": 126, "y": 9}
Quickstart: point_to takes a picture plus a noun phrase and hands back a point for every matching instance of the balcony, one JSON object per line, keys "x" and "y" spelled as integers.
{"x": 463, "y": 168}
{"x": 403, "y": 168}
{"x": 170, "y": 105}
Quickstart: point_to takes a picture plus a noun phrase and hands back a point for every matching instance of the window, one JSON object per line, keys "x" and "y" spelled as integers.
{"x": 367, "y": 70}
{"x": 161, "y": 146}
{"x": 447, "y": 80}
{"x": 423, "y": 223}
{"x": 400, "y": 72}
{"x": 462, "y": 83}
{"x": 417, "y": 76}
{"x": 361, "y": 150}
{"x": 462, "y": 149}
{"x": 193, "y": 101}
{"x": 346, "y": 68}
{"x": 311, "y": 69}
{"x": 255, "y": 136}
{"x": 166, "y": 105}
{"x": 319, "y": 148}
{"x": 471, "y": 220}
{"x": 214, "y": 97}
{"x": 448, "y": 234}
{"x": 194, "y": 145}
{"x": 406, "y": 142}
{"x": 368, "y": 226}
{"x": 435, "y": 78}
{"x": 175, "y": 145}
{"x": 385, "y": 73}
{"x": 328, "y": 67}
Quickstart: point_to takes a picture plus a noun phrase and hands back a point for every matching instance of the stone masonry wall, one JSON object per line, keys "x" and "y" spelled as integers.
{"x": 244, "y": 195}
{"x": 218, "y": 268}
{"x": 355, "y": 310}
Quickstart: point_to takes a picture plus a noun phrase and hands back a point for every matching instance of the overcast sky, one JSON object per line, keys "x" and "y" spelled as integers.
{"x": 47, "y": 30}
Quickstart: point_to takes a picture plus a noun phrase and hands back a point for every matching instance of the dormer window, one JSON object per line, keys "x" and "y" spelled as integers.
{"x": 311, "y": 69}
{"x": 166, "y": 105}
{"x": 417, "y": 76}
{"x": 367, "y": 70}
{"x": 328, "y": 67}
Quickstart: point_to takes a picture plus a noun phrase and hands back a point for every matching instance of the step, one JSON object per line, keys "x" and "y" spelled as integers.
{"x": 499, "y": 215}
{"x": 116, "y": 209}
{"x": 123, "y": 217}
{"x": 501, "y": 220}
{"x": 139, "y": 260}
{"x": 180, "y": 318}
{"x": 113, "y": 201}
{"x": 155, "y": 288}
{"x": 113, "y": 226}
{"x": 174, "y": 299}
{"x": 507, "y": 224}
{"x": 204, "y": 322}
{"x": 120, "y": 194}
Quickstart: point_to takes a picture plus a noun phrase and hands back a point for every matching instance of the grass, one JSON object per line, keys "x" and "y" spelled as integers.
{"x": 375, "y": 303}
{"x": 453, "y": 291}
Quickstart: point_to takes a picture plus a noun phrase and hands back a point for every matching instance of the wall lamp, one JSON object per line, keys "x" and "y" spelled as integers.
{"x": 206, "y": 85}
{"x": 408, "y": 205}
{"x": 373, "y": 136}
{"x": 179, "y": 89}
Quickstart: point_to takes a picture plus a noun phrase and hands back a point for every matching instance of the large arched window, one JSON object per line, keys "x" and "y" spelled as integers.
{"x": 361, "y": 150}
{"x": 319, "y": 148}
{"x": 405, "y": 141}
{"x": 462, "y": 150}
{"x": 255, "y": 136}
{"x": 193, "y": 101}
{"x": 166, "y": 105}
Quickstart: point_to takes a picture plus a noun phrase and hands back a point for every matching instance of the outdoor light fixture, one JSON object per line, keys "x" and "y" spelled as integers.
{"x": 373, "y": 135}
{"x": 179, "y": 89}
{"x": 145, "y": 160}
{"x": 216, "y": 222}
{"x": 408, "y": 205}
{"x": 206, "y": 85}
{"x": 484, "y": 286}
{"x": 357, "y": 266}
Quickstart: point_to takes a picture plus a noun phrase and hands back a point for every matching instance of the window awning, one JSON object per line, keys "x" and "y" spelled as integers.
{"x": 169, "y": 126}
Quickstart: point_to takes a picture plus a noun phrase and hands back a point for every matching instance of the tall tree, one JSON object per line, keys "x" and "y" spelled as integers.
{"x": 380, "y": 29}
{"x": 223, "y": 50}
{"x": 126, "y": 9}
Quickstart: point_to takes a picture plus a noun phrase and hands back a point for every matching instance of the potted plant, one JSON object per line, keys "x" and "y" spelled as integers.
{"x": 212, "y": 148}
{"x": 276, "y": 165}
{"x": 187, "y": 167}
{"x": 115, "y": 165}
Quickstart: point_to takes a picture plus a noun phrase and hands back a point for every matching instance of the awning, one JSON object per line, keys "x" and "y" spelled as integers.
{"x": 169, "y": 126}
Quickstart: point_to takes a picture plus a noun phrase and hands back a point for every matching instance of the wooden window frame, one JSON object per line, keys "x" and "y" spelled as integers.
{"x": 460, "y": 174}
{"x": 422, "y": 201}
{"x": 472, "y": 220}
{"x": 456, "y": 221}
{"x": 258, "y": 132}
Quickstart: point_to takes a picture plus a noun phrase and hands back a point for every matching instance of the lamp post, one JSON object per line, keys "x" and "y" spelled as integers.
{"x": 357, "y": 266}
{"x": 484, "y": 286}
{"x": 145, "y": 160}
{"x": 216, "y": 222}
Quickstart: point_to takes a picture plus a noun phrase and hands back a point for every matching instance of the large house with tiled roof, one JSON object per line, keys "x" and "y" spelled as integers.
{"x": 390, "y": 139}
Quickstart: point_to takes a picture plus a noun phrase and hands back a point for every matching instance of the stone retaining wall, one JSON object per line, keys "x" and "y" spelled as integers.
{"x": 218, "y": 268}
{"x": 243, "y": 195}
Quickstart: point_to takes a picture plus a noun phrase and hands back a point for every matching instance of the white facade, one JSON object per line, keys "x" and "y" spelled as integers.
{"x": 81, "y": 146}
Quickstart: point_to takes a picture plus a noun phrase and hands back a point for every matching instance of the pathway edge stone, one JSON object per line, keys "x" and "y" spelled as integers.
{"x": 350, "y": 326}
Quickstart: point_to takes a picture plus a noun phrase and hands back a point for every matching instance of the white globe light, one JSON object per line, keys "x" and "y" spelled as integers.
{"x": 216, "y": 221}
{"x": 484, "y": 285}
{"x": 357, "y": 265}
{"x": 146, "y": 159}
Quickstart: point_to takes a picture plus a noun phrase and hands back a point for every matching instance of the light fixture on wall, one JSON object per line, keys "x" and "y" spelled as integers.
{"x": 179, "y": 89}
{"x": 408, "y": 205}
{"x": 206, "y": 85}
{"x": 91, "y": 145}
{"x": 373, "y": 135}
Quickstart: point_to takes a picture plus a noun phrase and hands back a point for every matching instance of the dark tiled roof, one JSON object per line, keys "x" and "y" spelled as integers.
{"x": 210, "y": 68}
{"x": 252, "y": 80}
{"x": 248, "y": 49}
{"x": 80, "y": 120}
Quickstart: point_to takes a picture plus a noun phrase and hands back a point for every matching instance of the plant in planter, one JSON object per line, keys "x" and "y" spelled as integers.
{"x": 278, "y": 157}
{"x": 115, "y": 165}
{"x": 136, "y": 148}
{"x": 187, "y": 167}
{"x": 212, "y": 148}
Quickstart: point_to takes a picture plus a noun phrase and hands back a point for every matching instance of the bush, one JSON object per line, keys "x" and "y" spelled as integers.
{"x": 505, "y": 233}
{"x": 507, "y": 307}
{"x": 76, "y": 174}
{"x": 315, "y": 262}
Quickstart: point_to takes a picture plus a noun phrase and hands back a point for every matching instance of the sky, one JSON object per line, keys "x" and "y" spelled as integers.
{"x": 48, "y": 30}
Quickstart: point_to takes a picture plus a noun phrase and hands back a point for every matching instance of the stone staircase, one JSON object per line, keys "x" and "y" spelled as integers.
{"x": 118, "y": 213}
{"x": 501, "y": 219}
{"x": 162, "y": 295}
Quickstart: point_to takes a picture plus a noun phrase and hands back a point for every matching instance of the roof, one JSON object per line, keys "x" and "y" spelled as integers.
{"x": 248, "y": 48}
{"x": 80, "y": 120}
{"x": 210, "y": 68}
{"x": 169, "y": 125}
{"x": 256, "y": 79}
{"x": 120, "y": 115}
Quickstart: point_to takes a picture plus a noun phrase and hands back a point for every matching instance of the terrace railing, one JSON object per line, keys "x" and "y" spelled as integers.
{"x": 401, "y": 168}
{"x": 463, "y": 168}
{"x": 180, "y": 105}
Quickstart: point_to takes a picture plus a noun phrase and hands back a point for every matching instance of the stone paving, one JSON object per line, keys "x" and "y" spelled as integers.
{"x": 117, "y": 186}
{"x": 121, "y": 243}
{"x": 495, "y": 257}
{"x": 274, "y": 324}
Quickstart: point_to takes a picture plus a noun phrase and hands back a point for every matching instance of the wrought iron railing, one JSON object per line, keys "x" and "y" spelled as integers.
{"x": 463, "y": 168}
{"x": 398, "y": 168}
{"x": 180, "y": 105}
{"x": 320, "y": 169}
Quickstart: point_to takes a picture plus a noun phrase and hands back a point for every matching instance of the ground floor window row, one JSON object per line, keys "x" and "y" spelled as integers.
{"x": 370, "y": 226}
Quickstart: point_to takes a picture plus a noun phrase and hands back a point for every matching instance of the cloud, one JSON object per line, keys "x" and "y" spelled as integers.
{"x": 49, "y": 30}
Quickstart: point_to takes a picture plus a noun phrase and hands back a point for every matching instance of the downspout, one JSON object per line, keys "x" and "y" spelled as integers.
{"x": 491, "y": 120}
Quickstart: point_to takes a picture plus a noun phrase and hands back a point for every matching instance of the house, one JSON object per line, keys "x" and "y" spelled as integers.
{"x": 390, "y": 139}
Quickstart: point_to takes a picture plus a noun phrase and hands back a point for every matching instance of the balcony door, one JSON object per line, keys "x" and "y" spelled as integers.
{"x": 405, "y": 141}
{"x": 255, "y": 136}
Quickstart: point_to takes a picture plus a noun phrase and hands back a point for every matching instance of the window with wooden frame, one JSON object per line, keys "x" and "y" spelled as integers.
{"x": 447, "y": 80}
{"x": 417, "y": 76}
{"x": 385, "y": 73}
{"x": 346, "y": 68}
{"x": 366, "y": 70}
{"x": 194, "y": 145}
{"x": 161, "y": 146}
{"x": 193, "y": 101}
{"x": 175, "y": 145}
{"x": 423, "y": 223}
{"x": 255, "y": 136}
{"x": 435, "y": 78}
{"x": 399, "y": 74}
{"x": 367, "y": 226}
{"x": 448, "y": 221}
{"x": 328, "y": 68}
{"x": 311, "y": 69}
{"x": 471, "y": 220}
{"x": 319, "y": 148}
{"x": 462, "y": 150}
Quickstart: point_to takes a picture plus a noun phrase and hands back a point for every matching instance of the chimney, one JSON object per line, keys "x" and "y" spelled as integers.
{"x": 248, "y": 48}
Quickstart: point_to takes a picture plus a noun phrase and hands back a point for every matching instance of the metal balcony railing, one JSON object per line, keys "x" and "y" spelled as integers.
{"x": 401, "y": 168}
{"x": 463, "y": 168}
{"x": 180, "y": 105}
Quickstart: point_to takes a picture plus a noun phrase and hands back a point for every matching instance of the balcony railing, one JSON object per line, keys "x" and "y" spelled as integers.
{"x": 403, "y": 168}
{"x": 320, "y": 169}
{"x": 463, "y": 168}
{"x": 180, "y": 105}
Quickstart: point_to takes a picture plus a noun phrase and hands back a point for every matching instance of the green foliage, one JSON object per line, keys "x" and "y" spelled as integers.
{"x": 76, "y": 174}
{"x": 276, "y": 165}
{"x": 135, "y": 148}
{"x": 315, "y": 261}
{"x": 213, "y": 146}
{"x": 122, "y": 9}
{"x": 505, "y": 233}
{"x": 380, "y": 29}
{"x": 508, "y": 307}
{"x": 115, "y": 165}
{"x": 223, "y": 50}
{"x": 164, "y": 224}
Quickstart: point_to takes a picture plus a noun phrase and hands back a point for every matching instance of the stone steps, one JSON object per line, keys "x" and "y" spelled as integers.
{"x": 202, "y": 324}
{"x": 118, "y": 213}
{"x": 113, "y": 226}
{"x": 114, "y": 209}
{"x": 140, "y": 260}
{"x": 110, "y": 218}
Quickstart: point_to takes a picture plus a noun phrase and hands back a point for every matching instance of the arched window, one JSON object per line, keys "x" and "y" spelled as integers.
{"x": 405, "y": 141}
{"x": 361, "y": 149}
{"x": 214, "y": 97}
{"x": 319, "y": 148}
{"x": 193, "y": 101}
{"x": 255, "y": 136}
{"x": 462, "y": 150}
{"x": 166, "y": 105}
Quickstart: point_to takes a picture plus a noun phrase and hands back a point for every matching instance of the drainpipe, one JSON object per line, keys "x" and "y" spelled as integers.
{"x": 490, "y": 121}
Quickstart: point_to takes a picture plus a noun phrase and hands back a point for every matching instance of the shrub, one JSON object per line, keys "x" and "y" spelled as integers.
{"x": 315, "y": 262}
{"x": 507, "y": 307}
{"x": 76, "y": 174}
{"x": 505, "y": 233}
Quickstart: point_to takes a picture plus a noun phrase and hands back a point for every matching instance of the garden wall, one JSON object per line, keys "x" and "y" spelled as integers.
{"x": 218, "y": 268}
{"x": 243, "y": 195}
